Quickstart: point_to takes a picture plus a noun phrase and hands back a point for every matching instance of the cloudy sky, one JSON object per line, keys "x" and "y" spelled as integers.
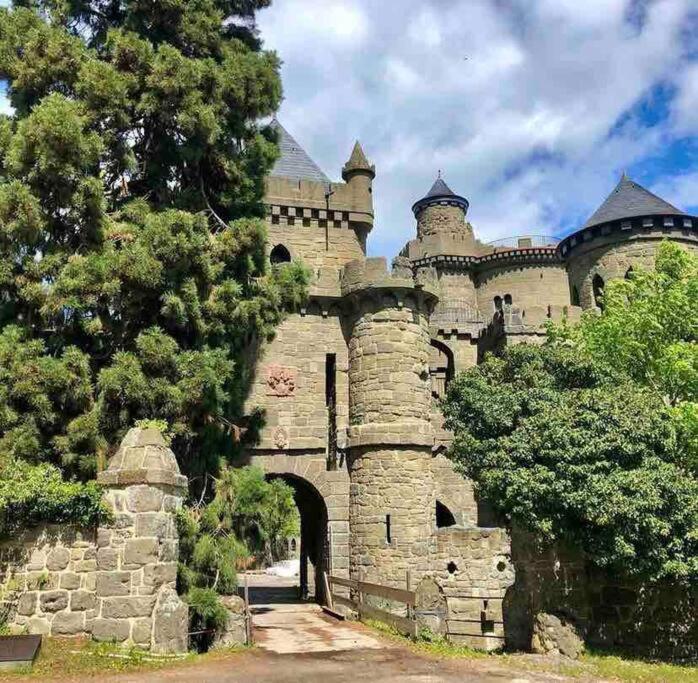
{"x": 531, "y": 108}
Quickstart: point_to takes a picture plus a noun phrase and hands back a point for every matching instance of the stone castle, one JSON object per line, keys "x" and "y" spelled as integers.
{"x": 350, "y": 385}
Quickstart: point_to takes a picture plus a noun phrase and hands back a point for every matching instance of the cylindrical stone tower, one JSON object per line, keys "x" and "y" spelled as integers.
{"x": 392, "y": 493}
{"x": 442, "y": 212}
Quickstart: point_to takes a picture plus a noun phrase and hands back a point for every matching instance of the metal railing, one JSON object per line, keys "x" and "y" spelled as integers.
{"x": 525, "y": 242}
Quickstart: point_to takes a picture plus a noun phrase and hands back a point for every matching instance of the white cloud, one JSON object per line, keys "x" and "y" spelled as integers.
{"x": 686, "y": 103}
{"x": 681, "y": 190}
{"x": 517, "y": 102}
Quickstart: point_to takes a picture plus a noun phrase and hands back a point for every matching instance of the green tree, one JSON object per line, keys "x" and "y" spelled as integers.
{"x": 132, "y": 250}
{"x": 248, "y": 515}
{"x": 579, "y": 440}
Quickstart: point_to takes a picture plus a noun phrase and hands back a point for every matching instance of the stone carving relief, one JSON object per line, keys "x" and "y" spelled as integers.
{"x": 280, "y": 438}
{"x": 280, "y": 381}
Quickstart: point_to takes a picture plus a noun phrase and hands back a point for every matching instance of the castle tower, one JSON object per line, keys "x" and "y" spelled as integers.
{"x": 441, "y": 212}
{"x": 358, "y": 174}
{"x": 392, "y": 490}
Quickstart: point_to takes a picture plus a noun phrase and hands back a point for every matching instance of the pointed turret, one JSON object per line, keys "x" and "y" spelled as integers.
{"x": 358, "y": 173}
{"x": 358, "y": 163}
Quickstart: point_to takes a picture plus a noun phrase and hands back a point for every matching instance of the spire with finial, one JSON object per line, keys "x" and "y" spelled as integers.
{"x": 440, "y": 193}
{"x": 358, "y": 163}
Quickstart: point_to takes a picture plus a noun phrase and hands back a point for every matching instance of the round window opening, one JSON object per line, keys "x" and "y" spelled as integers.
{"x": 452, "y": 567}
{"x": 501, "y": 566}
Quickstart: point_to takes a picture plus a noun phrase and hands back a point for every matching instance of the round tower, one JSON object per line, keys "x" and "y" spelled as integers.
{"x": 441, "y": 212}
{"x": 392, "y": 491}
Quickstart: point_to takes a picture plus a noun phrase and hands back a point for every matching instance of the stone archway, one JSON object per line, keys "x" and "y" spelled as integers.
{"x": 319, "y": 489}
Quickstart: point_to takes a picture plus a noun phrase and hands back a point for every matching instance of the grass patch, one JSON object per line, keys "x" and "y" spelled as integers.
{"x": 427, "y": 643}
{"x": 69, "y": 658}
{"x": 618, "y": 668}
{"x": 590, "y": 666}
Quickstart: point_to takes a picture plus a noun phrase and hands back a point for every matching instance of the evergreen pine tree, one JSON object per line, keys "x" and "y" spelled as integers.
{"x": 133, "y": 282}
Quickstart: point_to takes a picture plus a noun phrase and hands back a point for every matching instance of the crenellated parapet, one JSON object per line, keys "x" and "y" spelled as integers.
{"x": 369, "y": 277}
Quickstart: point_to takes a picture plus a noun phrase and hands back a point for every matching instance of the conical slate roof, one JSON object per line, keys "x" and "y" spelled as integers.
{"x": 627, "y": 200}
{"x": 440, "y": 193}
{"x": 439, "y": 189}
{"x": 294, "y": 161}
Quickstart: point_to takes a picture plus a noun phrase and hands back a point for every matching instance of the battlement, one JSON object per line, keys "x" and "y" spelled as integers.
{"x": 372, "y": 274}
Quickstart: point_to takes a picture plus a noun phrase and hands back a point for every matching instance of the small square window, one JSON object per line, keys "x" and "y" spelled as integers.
{"x": 668, "y": 222}
{"x": 647, "y": 223}
{"x": 625, "y": 225}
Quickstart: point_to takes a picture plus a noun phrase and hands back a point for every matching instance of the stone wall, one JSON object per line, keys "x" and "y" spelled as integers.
{"x": 392, "y": 513}
{"x": 651, "y": 620}
{"x": 317, "y": 247}
{"x": 534, "y": 285}
{"x": 474, "y": 570}
{"x": 441, "y": 218}
{"x": 289, "y": 382}
{"x": 454, "y": 491}
{"x": 117, "y": 582}
{"x": 612, "y": 255}
{"x": 49, "y": 578}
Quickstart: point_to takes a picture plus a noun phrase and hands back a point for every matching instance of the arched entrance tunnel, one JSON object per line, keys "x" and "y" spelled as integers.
{"x": 314, "y": 538}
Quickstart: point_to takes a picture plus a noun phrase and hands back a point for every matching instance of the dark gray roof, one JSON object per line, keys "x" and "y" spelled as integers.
{"x": 627, "y": 200}
{"x": 439, "y": 189}
{"x": 440, "y": 192}
{"x": 294, "y": 162}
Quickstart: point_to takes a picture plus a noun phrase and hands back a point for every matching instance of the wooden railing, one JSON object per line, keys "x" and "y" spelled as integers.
{"x": 359, "y": 590}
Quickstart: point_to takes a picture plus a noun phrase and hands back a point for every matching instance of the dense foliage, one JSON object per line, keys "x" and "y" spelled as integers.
{"x": 133, "y": 278}
{"x": 588, "y": 437}
{"x": 34, "y": 493}
{"x": 248, "y": 516}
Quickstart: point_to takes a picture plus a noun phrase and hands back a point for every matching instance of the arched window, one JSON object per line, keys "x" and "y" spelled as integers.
{"x": 498, "y": 303}
{"x": 441, "y": 368}
{"x": 575, "y": 296}
{"x": 444, "y": 517}
{"x": 279, "y": 254}
{"x": 597, "y": 285}
{"x": 507, "y": 300}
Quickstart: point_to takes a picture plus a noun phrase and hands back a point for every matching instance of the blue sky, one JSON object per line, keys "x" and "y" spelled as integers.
{"x": 531, "y": 109}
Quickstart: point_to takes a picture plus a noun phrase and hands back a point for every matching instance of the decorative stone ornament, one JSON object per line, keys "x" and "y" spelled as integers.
{"x": 281, "y": 438}
{"x": 280, "y": 381}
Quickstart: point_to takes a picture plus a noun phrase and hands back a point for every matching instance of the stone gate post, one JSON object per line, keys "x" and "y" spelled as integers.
{"x": 137, "y": 551}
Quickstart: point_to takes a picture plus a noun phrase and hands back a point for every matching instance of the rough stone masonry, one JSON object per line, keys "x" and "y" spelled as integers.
{"x": 116, "y": 582}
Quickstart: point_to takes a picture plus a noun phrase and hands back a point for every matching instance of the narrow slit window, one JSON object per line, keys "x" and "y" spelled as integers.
{"x": 331, "y": 405}
{"x": 388, "y": 530}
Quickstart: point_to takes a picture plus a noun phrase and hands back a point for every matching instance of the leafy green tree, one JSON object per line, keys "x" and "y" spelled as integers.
{"x": 578, "y": 440}
{"x": 132, "y": 250}
{"x": 247, "y": 515}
